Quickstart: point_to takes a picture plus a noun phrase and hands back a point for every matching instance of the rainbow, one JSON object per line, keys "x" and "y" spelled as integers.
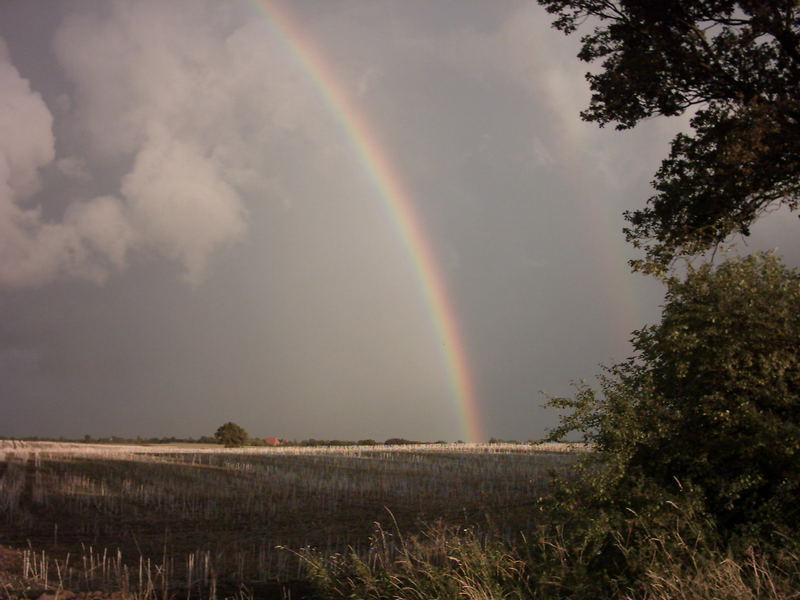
{"x": 398, "y": 203}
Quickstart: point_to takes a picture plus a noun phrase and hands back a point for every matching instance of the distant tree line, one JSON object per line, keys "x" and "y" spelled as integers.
{"x": 247, "y": 441}
{"x": 115, "y": 439}
{"x": 365, "y": 442}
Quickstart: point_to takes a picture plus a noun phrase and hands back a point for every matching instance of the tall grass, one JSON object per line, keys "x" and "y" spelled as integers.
{"x": 448, "y": 563}
{"x": 708, "y": 575}
{"x": 443, "y": 562}
{"x": 144, "y": 579}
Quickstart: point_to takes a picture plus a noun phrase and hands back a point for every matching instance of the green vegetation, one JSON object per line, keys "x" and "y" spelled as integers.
{"x": 707, "y": 412}
{"x": 736, "y": 66}
{"x": 231, "y": 435}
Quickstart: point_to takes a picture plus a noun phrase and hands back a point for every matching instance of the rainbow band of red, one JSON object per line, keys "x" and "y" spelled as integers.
{"x": 397, "y": 201}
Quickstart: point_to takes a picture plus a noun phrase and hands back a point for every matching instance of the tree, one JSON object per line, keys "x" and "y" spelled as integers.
{"x": 232, "y": 435}
{"x": 710, "y": 403}
{"x": 737, "y": 64}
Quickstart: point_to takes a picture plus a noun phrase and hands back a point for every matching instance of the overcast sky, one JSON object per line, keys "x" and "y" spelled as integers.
{"x": 187, "y": 237}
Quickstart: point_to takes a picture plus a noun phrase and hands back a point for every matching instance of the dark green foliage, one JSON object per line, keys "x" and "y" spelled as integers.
{"x": 399, "y": 442}
{"x": 706, "y": 415}
{"x": 738, "y": 64}
{"x": 232, "y": 435}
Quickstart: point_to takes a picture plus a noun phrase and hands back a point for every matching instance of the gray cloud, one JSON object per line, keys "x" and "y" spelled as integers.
{"x": 32, "y": 249}
{"x": 183, "y": 102}
{"x": 73, "y": 167}
{"x": 158, "y": 139}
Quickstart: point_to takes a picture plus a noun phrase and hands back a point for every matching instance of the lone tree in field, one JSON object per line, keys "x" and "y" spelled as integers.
{"x": 710, "y": 403}
{"x": 737, "y": 65}
{"x": 232, "y": 435}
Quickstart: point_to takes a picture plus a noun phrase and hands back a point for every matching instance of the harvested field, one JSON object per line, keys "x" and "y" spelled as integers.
{"x": 189, "y": 521}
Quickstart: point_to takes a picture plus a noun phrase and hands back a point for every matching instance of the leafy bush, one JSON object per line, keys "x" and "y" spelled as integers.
{"x": 707, "y": 413}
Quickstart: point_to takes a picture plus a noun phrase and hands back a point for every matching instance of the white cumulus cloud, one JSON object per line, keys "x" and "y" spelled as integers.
{"x": 180, "y": 199}
{"x": 34, "y": 250}
{"x": 184, "y": 101}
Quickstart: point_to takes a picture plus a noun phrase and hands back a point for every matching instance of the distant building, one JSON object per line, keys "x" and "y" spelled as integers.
{"x": 271, "y": 441}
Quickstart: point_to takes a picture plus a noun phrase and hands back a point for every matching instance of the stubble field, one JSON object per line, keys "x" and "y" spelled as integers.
{"x": 200, "y": 522}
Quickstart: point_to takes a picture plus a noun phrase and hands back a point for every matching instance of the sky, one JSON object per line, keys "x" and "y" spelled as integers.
{"x": 191, "y": 231}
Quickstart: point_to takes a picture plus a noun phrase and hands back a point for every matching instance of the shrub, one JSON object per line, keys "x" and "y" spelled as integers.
{"x": 707, "y": 411}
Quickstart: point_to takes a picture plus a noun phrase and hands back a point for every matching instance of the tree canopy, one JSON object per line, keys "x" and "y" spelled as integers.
{"x": 231, "y": 435}
{"x": 736, "y": 65}
{"x": 711, "y": 400}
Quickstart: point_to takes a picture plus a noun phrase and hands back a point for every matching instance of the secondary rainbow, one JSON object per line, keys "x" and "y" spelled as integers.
{"x": 397, "y": 201}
